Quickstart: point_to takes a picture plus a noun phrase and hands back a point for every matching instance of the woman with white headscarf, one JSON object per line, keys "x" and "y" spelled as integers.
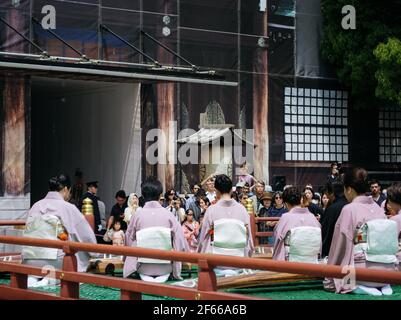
{"x": 133, "y": 205}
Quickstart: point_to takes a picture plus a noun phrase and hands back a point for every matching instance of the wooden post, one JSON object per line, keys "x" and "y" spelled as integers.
{"x": 129, "y": 295}
{"x": 254, "y": 229}
{"x": 19, "y": 281}
{"x": 207, "y": 278}
{"x": 69, "y": 289}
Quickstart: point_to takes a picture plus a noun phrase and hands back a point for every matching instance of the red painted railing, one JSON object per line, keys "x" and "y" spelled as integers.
{"x": 257, "y": 234}
{"x": 132, "y": 289}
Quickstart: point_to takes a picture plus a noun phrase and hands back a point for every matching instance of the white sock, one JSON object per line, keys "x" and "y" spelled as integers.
{"x": 387, "y": 290}
{"x": 32, "y": 280}
{"x": 367, "y": 290}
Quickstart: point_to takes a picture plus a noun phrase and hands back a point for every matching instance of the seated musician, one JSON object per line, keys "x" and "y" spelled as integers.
{"x": 54, "y": 218}
{"x": 363, "y": 238}
{"x": 226, "y": 225}
{"x": 394, "y": 204}
{"x": 154, "y": 227}
{"x": 297, "y": 234}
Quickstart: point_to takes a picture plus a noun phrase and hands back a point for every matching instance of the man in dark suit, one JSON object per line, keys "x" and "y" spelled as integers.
{"x": 91, "y": 193}
{"x": 331, "y": 214}
{"x": 375, "y": 192}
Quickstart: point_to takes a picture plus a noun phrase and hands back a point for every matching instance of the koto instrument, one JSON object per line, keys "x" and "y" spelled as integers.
{"x": 260, "y": 279}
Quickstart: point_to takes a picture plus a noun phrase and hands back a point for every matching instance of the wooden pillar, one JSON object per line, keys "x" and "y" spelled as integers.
{"x": 19, "y": 281}
{"x": 14, "y": 138}
{"x": 260, "y": 107}
{"x": 16, "y": 124}
{"x": 207, "y": 278}
{"x": 165, "y": 112}
{"x": 254, "y": 229}
{"x": 69, "y": 289}
{"x": 128, "y": 295}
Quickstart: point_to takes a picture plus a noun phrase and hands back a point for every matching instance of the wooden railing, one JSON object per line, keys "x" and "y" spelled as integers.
{"x": 256, "y": 234}
{"x": 132, "y": 289}
{"x": 11, "y": 223}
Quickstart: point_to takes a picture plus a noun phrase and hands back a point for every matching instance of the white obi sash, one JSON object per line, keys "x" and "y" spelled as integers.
{"x": 303, "y": 244}
{"x": 154, "y": 238}
{"x": 380, "y": 241}
{"x": 230, "y": 237}
{"x": 46, "y": 226}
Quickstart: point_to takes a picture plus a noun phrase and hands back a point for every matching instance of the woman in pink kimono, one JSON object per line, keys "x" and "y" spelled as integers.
{"x": 361, "y": 209}
{"x": 153, "y": 215}
{"x": 70, "y": 224}
{"x": 190, "y": 227}
{"x": 225, "y": 208}
{"x": 394, "y": 204}
{"x": 296, "y": 217}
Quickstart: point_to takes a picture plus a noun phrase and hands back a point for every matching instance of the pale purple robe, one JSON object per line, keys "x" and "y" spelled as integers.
{"x": 154, "y": 215}
{"x": 74, "y": 223}
{"x": 353, "y": 216}
{"x": 397, "y": 218}
{"x": 296, "y": 217}
{"x": 224, "y": 209}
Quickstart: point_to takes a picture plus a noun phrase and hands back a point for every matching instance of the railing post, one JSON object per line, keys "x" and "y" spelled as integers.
{"x": 69, "y": 289}
{"x": 129, "y": 295}
{"x": 19, "y": 281}
{"x": 206, "y": 277}
{"x": 254, "y": 229}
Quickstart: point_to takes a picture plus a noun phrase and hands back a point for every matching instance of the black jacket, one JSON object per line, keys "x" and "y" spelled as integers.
{"x": 329, "y": 220}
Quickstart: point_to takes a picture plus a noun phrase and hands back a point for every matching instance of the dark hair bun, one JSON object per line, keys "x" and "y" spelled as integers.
{"x": 292, "y": 196}
{"x": 357, "y": 179}
{"x": 59, "y": 182}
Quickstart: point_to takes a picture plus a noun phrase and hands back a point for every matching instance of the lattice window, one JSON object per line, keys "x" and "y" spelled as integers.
{"x": 390, "y": 135}
{"x": 315, "y": 124}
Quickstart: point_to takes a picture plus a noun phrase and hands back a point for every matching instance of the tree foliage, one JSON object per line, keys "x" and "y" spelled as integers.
{"x": 355, "y": 53}
{"x": 389, "y": 72}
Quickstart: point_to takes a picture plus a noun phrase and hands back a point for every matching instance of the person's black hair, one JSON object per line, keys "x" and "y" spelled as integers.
{"x": 115, "y": 221}
{"x": 141, "y": 201}
{"x": 167, "y": 193}
{"x": 121, "y": 194}
{"x": 200, "y": 193}
{"x": 357, "y": 179}
{"x": 151, "y": 189}
{"x": 310, "y": 189}
{"x": 59, "y": 182}
{"x": 205, "y": 200}
{"x": 292, "y": 196}
{"x": 234, "y": 195}
{"x": 223, "y": 184}
{"x": 394, "y": 193}
{"x": 336, "y": 188}
{"x": 333, "y": 164}
{"x": 374, "y": 181}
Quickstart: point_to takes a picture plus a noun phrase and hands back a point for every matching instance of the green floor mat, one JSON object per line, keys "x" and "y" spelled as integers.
{"x": 306, "y": 290}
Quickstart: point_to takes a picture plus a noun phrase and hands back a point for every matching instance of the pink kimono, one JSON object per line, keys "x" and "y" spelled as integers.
{"x": 296, "y": 217}
{"x": 74, "y": 223}
{"x": 353, "y": 215}
{"x": 154, "y": 215}
{"x": 224, "y": 209}
{"x": 397, "y": 218}
{"x": 191, "y": 238}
